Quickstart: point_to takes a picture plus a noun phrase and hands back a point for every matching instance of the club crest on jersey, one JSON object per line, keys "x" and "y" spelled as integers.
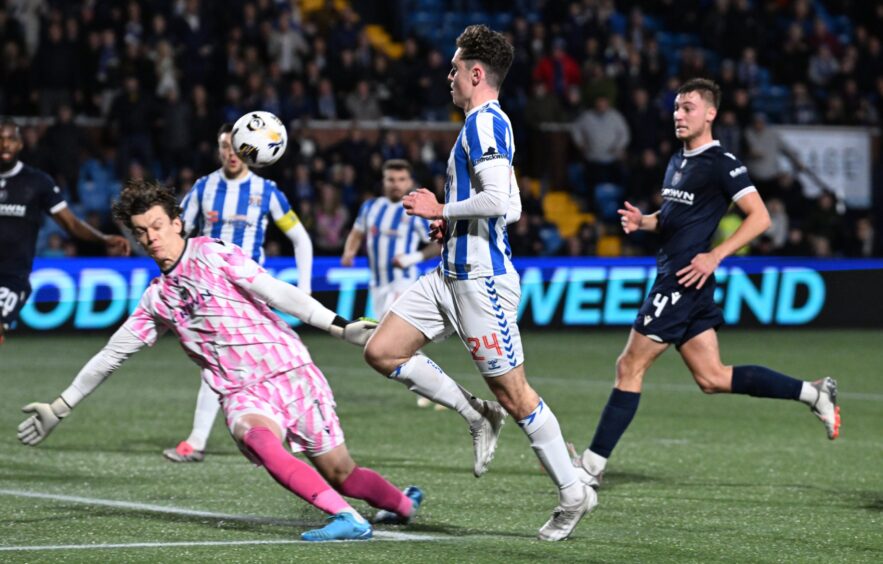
{"x": 676, "y": 177}
{"x": 255, "y": 200}
{"x": 3, "y": 193}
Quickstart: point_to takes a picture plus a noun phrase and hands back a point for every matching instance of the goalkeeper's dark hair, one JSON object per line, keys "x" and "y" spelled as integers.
{"x": 138, "y": 196}
{"x": 226, "y": 127}
{"x": 490, "y": 48}
{"x": 706, "y": 88}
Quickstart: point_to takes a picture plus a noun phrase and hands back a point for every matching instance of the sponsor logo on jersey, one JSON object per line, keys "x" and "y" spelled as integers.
{"x": 13, "y": 210}
{"x": 680, "y": 196}
{"x": 737, "y": 171}
{"x": 489, "y": 155}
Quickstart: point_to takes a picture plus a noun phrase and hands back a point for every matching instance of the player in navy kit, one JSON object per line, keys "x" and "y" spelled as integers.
{"x": 25, "y": 194}
{"x": 700, "y": 183}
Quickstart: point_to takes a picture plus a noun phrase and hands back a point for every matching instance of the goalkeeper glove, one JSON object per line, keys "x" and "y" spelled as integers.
{"x": 44, "y": 418}
{"x": 355, "y": 332}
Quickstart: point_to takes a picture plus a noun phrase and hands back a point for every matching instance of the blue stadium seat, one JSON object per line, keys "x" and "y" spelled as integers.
{"x": 608, "y": 197}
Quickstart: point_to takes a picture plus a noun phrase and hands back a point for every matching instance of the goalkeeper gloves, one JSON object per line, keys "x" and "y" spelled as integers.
{"x": 44, "y": 418}
{"x": 355, "y": 332}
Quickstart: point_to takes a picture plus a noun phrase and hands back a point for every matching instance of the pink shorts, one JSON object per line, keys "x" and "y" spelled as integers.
{"x": 299, "y": 401}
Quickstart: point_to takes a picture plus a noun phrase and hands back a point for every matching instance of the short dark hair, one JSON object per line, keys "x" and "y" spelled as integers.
{"x": 706, "y": 88}
{"x": 490, "y": 48}
{"x": 398, "y": 164}
{"x": 138, "y": 196}
{"x": 226, "y": 127}
{"x": 7, "y": 122}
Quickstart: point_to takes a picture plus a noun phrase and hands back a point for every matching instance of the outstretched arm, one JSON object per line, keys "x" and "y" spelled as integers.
{"x": 116, "y": 245}
{"x": 294, "y": 301}
{"x": 46, "y": 416}
{"x": 703, "y": 265}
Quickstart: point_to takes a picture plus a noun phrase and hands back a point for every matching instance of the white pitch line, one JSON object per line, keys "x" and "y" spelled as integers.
{"x": 384, "y": 535}
{"x": 144, "y": 545}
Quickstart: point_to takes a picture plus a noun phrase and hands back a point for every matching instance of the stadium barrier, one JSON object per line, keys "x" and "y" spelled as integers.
{"x": 95, "y": 294}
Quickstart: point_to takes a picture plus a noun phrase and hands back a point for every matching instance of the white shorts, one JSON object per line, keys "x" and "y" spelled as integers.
{"x": 383, "y": 297}
{"x": 482, "y": 311}
{"x": 299, "y": 401}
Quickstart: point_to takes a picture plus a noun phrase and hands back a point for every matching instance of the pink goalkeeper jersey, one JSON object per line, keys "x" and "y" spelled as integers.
{"x": 235, "y": 338}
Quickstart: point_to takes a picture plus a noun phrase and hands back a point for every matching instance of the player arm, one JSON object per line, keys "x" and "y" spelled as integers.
{"x": 407, "y": 260}
{"x": 81, "y": 230}
{"x": 303, "y": 256}
{"x": 492, "y": 200}
{"x": 46, "y": 416}
{"x": 294, "y": 301}
{"x": 757, "y": 220}
{"x": 513, "y": 213}
{"x": 351, "y": 246}
{"x": 632, "y": 219}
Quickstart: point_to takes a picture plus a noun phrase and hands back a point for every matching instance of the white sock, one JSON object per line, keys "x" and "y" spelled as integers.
{"x": 356, "y": 515}
{"x": 595, "y": 462}
{"x": 544, "y": 433}
{"x": 425, "y": 378}
{"x": 808, "y": 393}
{"x": 207, "y": 406}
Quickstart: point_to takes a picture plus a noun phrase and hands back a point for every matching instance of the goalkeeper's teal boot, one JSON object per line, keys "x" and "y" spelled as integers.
{"x": 342, "y": 526}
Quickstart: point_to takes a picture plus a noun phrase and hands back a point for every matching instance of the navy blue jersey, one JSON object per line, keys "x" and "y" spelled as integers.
{"x": 698, "y": 188}
{"x": 26, "y": 193}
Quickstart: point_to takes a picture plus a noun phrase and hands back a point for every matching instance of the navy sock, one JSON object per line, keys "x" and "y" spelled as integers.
{"x": 618, "y": 413}
{"x": 761, "y": 382}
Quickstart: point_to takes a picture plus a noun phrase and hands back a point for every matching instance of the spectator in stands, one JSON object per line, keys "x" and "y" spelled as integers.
{"x": 803, "y": 108}
{"x": 763, "y": 148}
{"x": 64, "y": 140}
{"x": 602, "y": 135}
{"x": 557, "y": 70}
{"x": 331, "y": 220}
{"x": 362, "y": 104}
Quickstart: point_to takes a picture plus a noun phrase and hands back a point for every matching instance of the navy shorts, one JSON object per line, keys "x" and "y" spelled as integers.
{"x": 674, "y": 314}
{"x": 14, "y": 292}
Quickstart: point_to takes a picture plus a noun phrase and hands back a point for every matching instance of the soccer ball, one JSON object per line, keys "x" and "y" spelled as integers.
{"x": 259, "y": 138}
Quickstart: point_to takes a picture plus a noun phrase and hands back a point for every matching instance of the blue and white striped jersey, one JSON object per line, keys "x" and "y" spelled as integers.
{"x": 236, "y": 210}
{"x": 389, "y": 232}
{"x": 474, "y": 248}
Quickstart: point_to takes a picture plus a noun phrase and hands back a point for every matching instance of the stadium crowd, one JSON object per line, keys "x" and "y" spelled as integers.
{"x": 160, "y": 76}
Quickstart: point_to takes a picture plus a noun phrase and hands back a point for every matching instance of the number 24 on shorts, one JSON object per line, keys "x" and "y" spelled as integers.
{"x": 490, "y": 343}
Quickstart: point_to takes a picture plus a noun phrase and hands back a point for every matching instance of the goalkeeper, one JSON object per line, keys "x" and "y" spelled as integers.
{"x": 218, "y": 302}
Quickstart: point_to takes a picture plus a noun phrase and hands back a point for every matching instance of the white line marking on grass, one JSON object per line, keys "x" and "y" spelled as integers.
{"x": 383, "y": 535}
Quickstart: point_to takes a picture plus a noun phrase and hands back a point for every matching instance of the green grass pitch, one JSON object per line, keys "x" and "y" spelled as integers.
{"x": 695, "y": 478}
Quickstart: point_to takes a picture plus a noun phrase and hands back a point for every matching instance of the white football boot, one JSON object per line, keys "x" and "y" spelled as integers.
{"x": 825, "y": 407}
{"x": 485, "y": 434}
{"x": 565, "y": 518}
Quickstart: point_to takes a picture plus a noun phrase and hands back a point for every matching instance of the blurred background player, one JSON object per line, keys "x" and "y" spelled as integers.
{"x": 392, "y": 240}
{"x": 26, "y": 193}
{"x": 475, "y": 292}
{"x": 233, "y": 204}
{"x": 218, "y": 302}
{"x": 700, "y": 183}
